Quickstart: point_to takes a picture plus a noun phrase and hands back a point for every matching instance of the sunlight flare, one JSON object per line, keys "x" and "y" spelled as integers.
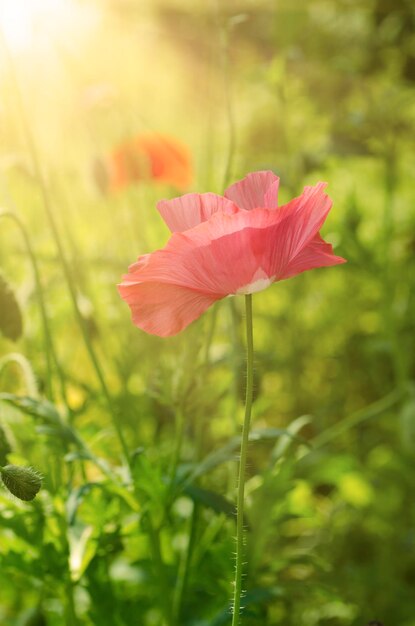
{"x": 21, "y": 19}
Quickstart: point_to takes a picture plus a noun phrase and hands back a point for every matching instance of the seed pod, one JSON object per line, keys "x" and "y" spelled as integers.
{"x": 11, "y": 324}
{"x": 22, "y": 482}
{"x": 5, "y": 447}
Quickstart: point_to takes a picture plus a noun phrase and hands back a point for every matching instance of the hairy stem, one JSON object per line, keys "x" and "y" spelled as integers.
{"x": 242, "y": 464}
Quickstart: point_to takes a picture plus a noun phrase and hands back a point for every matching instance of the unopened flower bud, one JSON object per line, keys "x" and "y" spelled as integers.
{"x": 22, "y": 482}
{"x": 5, "y": 447}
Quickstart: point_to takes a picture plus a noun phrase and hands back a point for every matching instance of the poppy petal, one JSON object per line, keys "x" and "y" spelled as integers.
{"x": 164, "y": 309}
{"x": 301, "y": 220}
{"x": 191, "y": 209}
{"x": 271, "y": 196}
{"x": 216, "y": 257}
{"x": 249, "y": 193}
{"x": 238, "y": 253}
{"x": 318, "y": 253}
{"x": 235, "y": 252}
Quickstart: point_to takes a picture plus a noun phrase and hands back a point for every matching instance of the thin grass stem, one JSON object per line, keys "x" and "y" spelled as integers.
{"x": 160, "y": 570}
{"x": 184, "y": 568}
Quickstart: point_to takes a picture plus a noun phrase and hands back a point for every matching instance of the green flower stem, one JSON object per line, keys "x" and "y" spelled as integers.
{"x": 242, "y": 463}
{"x": 235, "y": 360}
{"x": 61, "y": 254}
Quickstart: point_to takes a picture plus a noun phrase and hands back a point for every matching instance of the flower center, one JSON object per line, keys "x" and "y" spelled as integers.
{"x": 259, "y": 282}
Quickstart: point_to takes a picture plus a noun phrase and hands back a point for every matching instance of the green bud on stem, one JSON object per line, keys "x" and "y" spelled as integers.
{"x": 22, "y": 482}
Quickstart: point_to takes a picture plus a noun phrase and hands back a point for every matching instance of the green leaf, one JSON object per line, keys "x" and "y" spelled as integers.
{"x": 75, "y": 499}
{"x": 11, "y": 324}
{"x": 54, "y": 425}
{"x": 82, "y": 549}
{"x": 32, "y": 617}
{"x": 32, "y": 406}
{"x": 211, "y": 499}
{"x": 291, "y": 434}
{"x": 228, "y": 452}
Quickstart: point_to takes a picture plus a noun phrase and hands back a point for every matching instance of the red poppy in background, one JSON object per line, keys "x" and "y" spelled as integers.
{"x": 221, "y": 246}
{"x": 146, "y": 157}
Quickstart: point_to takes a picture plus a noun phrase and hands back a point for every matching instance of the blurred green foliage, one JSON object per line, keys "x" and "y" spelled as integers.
{"x": 316, "y": 90}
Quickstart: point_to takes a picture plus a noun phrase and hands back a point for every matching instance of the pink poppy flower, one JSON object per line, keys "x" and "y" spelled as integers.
{"x": 221, "y": 246}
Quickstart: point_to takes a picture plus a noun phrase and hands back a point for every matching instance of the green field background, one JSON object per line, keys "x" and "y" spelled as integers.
{"x": 315, "y": 91}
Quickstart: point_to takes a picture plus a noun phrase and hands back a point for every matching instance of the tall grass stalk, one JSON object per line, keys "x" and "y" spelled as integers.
{"x": 226, "y": 74}
{"x": 160, "y": 569}
{"x": 186, "y": 558}
{"x": 184, "y": 567}
{"x": 388, "y": 230}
